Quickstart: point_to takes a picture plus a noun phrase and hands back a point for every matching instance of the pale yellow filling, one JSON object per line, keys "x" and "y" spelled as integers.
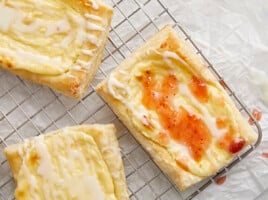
{"x": 63, "y": 166}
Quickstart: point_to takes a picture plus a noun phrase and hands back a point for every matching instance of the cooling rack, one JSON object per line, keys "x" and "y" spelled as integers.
{"x": 27, "y": 109}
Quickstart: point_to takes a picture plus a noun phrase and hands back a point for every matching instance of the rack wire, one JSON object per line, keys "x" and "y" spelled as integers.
{"x": 28, "y": 110}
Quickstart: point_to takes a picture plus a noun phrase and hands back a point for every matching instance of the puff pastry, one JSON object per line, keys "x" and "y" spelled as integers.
{"x": 178, "y": 111}
{"x": 80, "y": 162}
{"x": 55, "y": 43}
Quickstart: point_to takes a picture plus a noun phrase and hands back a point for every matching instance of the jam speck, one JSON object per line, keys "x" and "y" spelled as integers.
{"x": 257, "y": 114}
{"x": 221, "y": 122}
{"x": 236, "y": 145}
{"x": 220, "y": 180}
{"x": 265, "y": 154}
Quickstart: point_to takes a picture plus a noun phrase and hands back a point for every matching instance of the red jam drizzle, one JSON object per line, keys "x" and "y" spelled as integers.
{"x": 220, "y": 180}
{"x": 199, "y": 89}
{"x": 180, "y": 125}
{"x": 265, "y": 154}
{"x": 257, "y": 116}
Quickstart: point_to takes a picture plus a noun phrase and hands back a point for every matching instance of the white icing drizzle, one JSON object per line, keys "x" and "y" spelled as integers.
{"x": 78, "y": 19}
{"x": 210, "y": 121}
{"x": 94, "y": 27}
{"x": 94, "y": 4}
{"x": 140, "y": 112}
{"x": 87, "y": 52}
{"x": 178, "y": 147}
{"x": 45, "y": 168}
{"x": 170, "y": 54}
{"x": 10, "y": 16}
{"x": 77, "y": 67}
{"x": 93, "y": 17}
{"x": 113, "y": 82}
{"x": 85, "y": 64}
{"x": 123, "y": 72}
{"x": 80, "y": 36}
{"x": 83, "y": 36}
{"x": 92, "y": 39}
{"x": 67, "y": 40}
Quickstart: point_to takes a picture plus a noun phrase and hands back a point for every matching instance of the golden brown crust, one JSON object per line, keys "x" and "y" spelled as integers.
{"x": 14, "y": 159}
{"x": 167, "y": 39}
{"x": 73, "y": 83}
{"x": 105, "y": 138}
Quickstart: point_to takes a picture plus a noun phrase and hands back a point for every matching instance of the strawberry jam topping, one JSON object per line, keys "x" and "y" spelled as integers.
{"x": 182, "y": 126}
{"x": 199, "y": 89}
{"x": 179, "y": 124}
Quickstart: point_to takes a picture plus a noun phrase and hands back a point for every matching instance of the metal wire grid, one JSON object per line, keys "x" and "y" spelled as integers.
{"x": 28, "y": 110}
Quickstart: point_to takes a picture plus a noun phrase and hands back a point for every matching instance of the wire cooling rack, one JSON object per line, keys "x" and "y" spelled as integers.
{"x": 27, "y": 109}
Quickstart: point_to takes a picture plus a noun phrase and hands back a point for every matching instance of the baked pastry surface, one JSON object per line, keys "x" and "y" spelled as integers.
{"x": 80, "y": 162}
{"x": 57, "y": 43}
{"x": 177, "y": 110}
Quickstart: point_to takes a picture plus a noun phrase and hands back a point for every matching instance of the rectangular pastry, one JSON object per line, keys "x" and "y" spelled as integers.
{"x": 177, "y": 110}
{"x": 80, "y": 162}
{"x": 55, "y": 43}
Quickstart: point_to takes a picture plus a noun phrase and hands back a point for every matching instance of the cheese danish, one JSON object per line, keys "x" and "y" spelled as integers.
{"x": 177, "y": 110}
{"x": 80, "y": 162}
{"x": 57, "y": 43}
